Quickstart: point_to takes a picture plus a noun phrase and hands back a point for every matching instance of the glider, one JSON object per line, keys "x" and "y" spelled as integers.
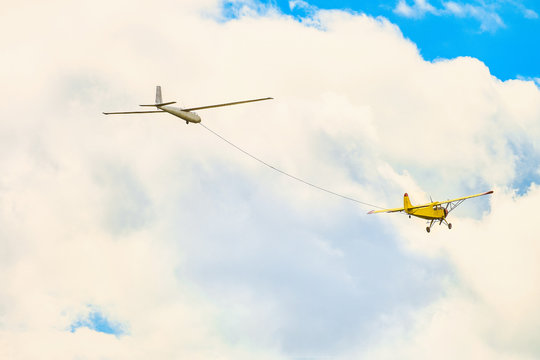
{"x": 432, "y": 211}
{"x": 186, "y": 114}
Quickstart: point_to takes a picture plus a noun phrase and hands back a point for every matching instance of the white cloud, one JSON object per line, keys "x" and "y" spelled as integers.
{"x": 299, "y": 4}
{"x": 417, "y": 10}
{"x": 530, "y": 14}
{"x": 488, "y": 17}
{"x": 201, "y": 252}
{"x": 488, "y": 14}
{"x": 526, "y": 12}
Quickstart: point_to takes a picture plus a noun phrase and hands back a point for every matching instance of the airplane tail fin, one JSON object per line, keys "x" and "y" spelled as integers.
{"x": 158, "y": 95}
{"x": 406, "y": 202}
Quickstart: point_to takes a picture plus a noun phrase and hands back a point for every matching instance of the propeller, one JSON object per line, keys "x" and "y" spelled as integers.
{"x": 436, "y": 206}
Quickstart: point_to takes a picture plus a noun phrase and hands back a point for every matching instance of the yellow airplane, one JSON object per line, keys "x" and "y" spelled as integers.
{"x": 432, "y": 211}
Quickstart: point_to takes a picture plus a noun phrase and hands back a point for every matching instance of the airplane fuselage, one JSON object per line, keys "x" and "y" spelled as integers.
{"x": 430, "y": 212}
{"x": 188, "y": 116}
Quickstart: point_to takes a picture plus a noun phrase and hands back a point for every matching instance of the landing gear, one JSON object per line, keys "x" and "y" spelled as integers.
{"x": 447, "y": 223}
{"x": 428, "y": 229}
{"x": 187, "y": 122}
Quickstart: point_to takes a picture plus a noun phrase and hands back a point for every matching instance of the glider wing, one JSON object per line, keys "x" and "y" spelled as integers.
{"x": 225, "y": 104}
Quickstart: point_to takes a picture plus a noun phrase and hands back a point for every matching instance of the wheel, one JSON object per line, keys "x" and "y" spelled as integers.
{"x": 449, "y": 226}
{"x": 428, "y": 229}
{"x": 187, "y": 122}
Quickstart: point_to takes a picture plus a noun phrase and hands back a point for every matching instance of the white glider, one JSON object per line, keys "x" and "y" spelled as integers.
{"x": 186, "y": 114}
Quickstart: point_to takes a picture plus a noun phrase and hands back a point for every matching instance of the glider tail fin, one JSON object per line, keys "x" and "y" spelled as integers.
{"x": 406, "y": 202}
{"x": 158, "y": 95}
{"x": 159, "y": 101}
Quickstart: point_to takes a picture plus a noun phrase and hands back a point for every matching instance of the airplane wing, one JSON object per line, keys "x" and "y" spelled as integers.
{"x": 454, "y": 203}
{"x": 386, "y": 210}
{"x": 133, "y": 112}
{"x": 398, "y": 209}
{"x": 225, "y": 104}
{"x": 463, "y": 198}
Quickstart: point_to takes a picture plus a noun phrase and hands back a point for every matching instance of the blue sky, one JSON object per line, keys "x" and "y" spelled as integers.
{"x": 97, "y": 321}
{"x": 504, "y": 34}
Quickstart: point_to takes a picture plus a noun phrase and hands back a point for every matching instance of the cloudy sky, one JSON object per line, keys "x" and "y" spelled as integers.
{"x": 136, "y": 237}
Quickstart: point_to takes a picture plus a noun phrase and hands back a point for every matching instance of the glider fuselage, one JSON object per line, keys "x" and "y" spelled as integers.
{"x": 178, "y": 112}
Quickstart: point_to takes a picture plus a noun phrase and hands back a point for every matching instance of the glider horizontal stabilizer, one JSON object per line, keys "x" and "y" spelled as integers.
{"x": 133, "y": 112}
{"x": 161, "y": 104}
